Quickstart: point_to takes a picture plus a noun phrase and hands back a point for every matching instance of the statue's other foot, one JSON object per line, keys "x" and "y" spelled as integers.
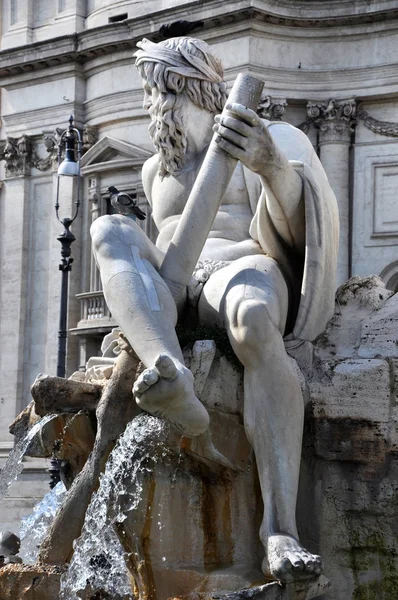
{"x": 287, "y": 560}
{"x": 166, "y": 390}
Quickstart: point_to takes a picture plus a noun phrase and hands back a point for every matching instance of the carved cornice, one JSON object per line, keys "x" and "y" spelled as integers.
{"x": 270, "y": 109}
{"x": 387, "y": 128}
{"x": 86, "y": 45}
{"x": 335, "y": 119}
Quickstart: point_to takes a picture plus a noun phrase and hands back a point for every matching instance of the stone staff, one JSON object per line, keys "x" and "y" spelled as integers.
{"x": 205, "y": 198}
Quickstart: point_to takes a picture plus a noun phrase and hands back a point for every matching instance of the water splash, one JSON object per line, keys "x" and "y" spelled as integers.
{"x": 34, "y": 528}
{"x": 14, "y": 464}
{"x": 98, "y": 561}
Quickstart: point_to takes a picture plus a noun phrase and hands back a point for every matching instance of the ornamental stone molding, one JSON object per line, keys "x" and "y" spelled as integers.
{"x": 387, "y": 128}
{"x": 17, "y": 154}
{"x": 89, "y": 138}
{"x": 271, "y": 109}
{"x": 51, "y": 141}
{"x": 335, "y": 119}
{"x": 20, "y": 154}
{"x": 94, "y": 41}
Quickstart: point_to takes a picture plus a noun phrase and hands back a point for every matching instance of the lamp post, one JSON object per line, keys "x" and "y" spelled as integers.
{"x": 69, "y": 167}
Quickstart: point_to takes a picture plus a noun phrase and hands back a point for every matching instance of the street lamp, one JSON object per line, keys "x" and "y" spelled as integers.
{"x": 69, "y": 167}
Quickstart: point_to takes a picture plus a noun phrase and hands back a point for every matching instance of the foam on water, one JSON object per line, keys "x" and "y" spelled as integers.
{"x": 34, "y": 528}
{"x": 98, "y": 560}
{"x": 14, "y": 464}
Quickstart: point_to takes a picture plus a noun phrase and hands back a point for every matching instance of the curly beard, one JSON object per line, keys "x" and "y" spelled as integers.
{"x": 168, "y": 132}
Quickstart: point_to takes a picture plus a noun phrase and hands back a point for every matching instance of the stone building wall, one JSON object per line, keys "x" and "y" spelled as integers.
{"x": 329, "y": 67}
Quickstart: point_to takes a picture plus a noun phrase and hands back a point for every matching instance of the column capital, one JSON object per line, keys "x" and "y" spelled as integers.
{"x": 271, "y": 108}
{"x": 335, "y": 119}
{"x": 17, "y": 154}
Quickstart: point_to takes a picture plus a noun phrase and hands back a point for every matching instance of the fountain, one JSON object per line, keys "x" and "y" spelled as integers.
{"x": 35, "y": 527}
{"x": 14, "y": 464}
{"x": 186, "y": 488}
{"x": 154, "y": 478}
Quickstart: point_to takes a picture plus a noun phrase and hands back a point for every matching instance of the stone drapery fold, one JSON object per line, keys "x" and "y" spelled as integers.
{"x": 313, "y": 289}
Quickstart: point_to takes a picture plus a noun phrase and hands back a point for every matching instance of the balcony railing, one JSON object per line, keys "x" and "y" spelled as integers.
{"x": 94, "y": 311}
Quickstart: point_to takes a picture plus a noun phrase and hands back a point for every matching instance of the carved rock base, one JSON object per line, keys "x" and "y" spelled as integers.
{"x": 304, "y": 590}
{"x": 29, "y": 582}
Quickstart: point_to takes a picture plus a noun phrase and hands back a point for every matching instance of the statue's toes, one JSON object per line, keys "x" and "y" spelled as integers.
{"x": 165, "y": 366}
{"x": 147, "y": 378}
{"x": 296, "y": 562}
{"x": 309, "y": 564}
{"x": 318, "y": 564}
{"x": 282, "y": 569}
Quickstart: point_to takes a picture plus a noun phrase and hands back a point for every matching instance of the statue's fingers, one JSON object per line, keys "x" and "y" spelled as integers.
{"x": 245, "y": 114}
{"x": 231, "y": 136}
{"x": 234, "y": 124}
{"x": 230, "y": 148}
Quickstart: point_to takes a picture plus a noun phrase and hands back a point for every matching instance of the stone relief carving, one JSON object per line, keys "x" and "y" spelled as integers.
{"x": 20, "y": 154}
{"x": 17, "y": 154}
{"x": 335, "y": 119}
{"x": 50, "y": 141}
{"x": 270, "y": 109}
{"x": 89, "y": 137}
{"x": 387, "y": 128}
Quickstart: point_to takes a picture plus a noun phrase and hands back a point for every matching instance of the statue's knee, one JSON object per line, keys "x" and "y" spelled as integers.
{"x": 254, "y": 326}
{"x": 100, "y": 231}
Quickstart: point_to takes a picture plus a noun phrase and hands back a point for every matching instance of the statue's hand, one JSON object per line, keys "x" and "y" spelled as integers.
{"x": 243, "y": 135}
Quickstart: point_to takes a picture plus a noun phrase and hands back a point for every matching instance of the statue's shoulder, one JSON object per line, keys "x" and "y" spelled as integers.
{"x": 292, "y": 141}
{"x": 149, "y": 171}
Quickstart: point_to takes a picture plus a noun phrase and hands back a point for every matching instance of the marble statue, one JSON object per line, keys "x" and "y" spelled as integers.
{"x": 266, "y": 272}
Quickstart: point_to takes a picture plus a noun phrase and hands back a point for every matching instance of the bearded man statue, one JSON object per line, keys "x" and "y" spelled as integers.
{"x": 272, "y": 250}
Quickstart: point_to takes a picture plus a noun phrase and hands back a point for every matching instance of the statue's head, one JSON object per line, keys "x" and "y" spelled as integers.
{"x": 179, "y": 70}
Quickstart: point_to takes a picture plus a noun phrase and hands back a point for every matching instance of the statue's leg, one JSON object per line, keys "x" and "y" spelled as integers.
{"x": 143, "y": 307}
{"x": 252, "y": 299}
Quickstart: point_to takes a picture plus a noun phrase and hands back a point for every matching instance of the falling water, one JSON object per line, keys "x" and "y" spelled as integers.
{"x": 98, "y": 560}
{"x": 34, "y": 528}
{"x": 14, "y": 464}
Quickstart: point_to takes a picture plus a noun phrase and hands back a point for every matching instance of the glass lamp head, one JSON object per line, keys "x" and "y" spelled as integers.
{"x": 69, "y": 167}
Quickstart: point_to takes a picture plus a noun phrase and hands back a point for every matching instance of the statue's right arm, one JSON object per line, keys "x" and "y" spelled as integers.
{"x": 246, "y": 137}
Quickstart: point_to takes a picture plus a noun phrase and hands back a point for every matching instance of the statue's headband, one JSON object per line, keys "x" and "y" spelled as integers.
{"x": 181, "y": 61}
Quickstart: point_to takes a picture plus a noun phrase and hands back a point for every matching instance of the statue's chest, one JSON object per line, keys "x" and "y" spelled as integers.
{"x": 171, "y": 194}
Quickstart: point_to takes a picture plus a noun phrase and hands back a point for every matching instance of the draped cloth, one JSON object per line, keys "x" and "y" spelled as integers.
{"x": 181, "y": 61}
{"x": 315, "y": 283}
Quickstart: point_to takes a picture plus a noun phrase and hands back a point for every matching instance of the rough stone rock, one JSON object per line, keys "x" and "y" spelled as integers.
{"x": 59, "y": 395}
{"x": 303, "y": 590}
{"x": 348, "y": 487}
{"x": 29, "y": 582}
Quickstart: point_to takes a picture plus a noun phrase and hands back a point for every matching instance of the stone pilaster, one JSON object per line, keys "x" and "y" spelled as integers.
{"x": 335, "y": 120}
{"x": 14, "y": 228}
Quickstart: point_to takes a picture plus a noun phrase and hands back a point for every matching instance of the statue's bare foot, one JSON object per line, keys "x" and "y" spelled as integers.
{"x": 166, "y": 390}
{"x": 287, "y": 560}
